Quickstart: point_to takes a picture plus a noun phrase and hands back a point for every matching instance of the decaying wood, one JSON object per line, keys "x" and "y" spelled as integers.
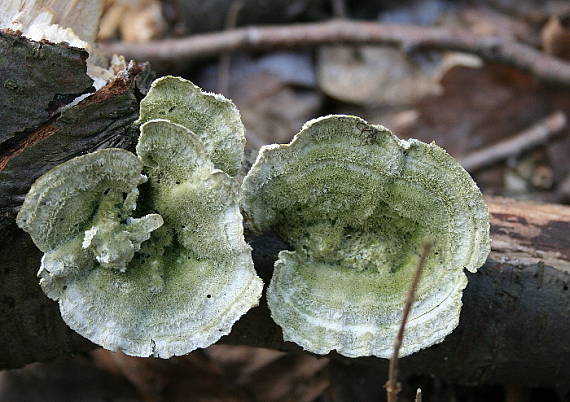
{"x": 408, "y": 37}
{"x": 35, "y": 80}
{"x": 82, "y": 17}
{"x": 514, "y": 324}
{"x": 47, "y": 139}
{"x": 31, "y": 328}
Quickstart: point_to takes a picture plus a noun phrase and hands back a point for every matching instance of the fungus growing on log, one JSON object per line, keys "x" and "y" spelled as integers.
{"x": 355, "y": 203}
{"x": 161, "y": 273}
{"x": 212, "y": 117}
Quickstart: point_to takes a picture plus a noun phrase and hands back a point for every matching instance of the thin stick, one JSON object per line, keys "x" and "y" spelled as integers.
{"x": 340, "y": 31}
{"x": 226, "y": 58}
{"x": 392, "y": 385}
{"x": 529, "y": 138}
{"x": 419, "y": 395}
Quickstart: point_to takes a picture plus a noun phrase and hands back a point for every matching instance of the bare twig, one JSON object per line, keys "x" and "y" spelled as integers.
{"x": 225, "y": 58}
{"x": 392, "y": 385}
{"x": 539, "y": 64}
{"x": 531, "y": 137}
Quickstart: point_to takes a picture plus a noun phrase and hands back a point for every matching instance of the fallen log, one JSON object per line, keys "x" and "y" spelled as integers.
{"x": 31, "y": 328}
{"x": 514, "y": 325}
{"x": 515, "y": 322}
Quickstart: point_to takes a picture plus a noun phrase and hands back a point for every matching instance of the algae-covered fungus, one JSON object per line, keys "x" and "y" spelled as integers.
{"x": 158, "y": 274}
{"x": 212, "y": 117}
{"x": 356, "y": 203}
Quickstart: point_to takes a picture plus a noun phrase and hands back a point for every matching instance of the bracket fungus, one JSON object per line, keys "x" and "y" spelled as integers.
{"x": 212, "y": 117}
{"x": 356, "y": 203}
{"x": 158, "y": 273}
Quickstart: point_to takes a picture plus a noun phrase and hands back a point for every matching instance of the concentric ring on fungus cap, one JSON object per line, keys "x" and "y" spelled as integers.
{"x": 159, "y": 274}
{"x": 356, "y": 203}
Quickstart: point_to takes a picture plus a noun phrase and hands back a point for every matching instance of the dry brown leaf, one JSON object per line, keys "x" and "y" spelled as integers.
{"x": 222, "y": 373}
{"x": 278, "y": 116}
{"x": 484, "y": 21}
{"x": 383, "y": 76}
{"x": 275, "y": 94}
{"x": 374, "y": 75}
{"x": 480, "y": 107}
{"x": 241, "y": 361}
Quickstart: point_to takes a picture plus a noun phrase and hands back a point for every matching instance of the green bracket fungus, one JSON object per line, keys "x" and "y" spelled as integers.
{"x": 212, "y": 117}
{"x": 161, "y": 273}
{"x": 356, "y": 203}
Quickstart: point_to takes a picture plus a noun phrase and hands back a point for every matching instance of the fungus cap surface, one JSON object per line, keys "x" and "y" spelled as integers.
{"x": 212, "y": 117}
{"x": 356, "y": 203}
{"x": 158, "y": 274}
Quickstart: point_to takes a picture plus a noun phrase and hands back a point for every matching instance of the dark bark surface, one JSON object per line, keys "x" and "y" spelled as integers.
{"x": 514, "y": 325}
{"x": 100, "y": 121}
{"x": 513, "y": 328}
{"x": 31, "y": 328}
{"x": 36, "y": 78}
{"x": 515, "y": 322}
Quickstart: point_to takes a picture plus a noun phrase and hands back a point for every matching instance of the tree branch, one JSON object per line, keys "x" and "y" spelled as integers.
{"x": 538, "y": 134}
{"x": 408, "y": 37}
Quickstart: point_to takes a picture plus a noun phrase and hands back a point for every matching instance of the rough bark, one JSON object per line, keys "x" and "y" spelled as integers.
{"x": 513, "y": 329}
{"x": 31, "y": 328}
{"x": 100, "y": 121}
{"x": 514, "y": 325}
{"x": 36, "y": 78}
